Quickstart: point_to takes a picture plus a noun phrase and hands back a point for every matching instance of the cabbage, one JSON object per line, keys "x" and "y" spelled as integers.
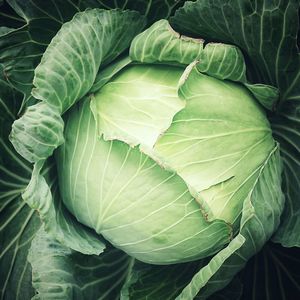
{"x": 163, "y": 177}
{"x": 140, "y": 161}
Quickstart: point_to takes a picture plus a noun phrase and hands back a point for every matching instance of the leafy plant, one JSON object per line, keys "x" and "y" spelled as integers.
{"x": 141, "y": 163}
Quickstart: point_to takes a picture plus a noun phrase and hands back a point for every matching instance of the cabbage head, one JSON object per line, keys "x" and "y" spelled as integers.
{"x": 160, "y": 173}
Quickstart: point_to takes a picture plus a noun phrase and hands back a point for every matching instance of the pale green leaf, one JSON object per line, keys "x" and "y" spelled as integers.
{"x": 216, "y": 143}
{"x": 267, "y": 32}
{"x": 129, "y": 199}
{"x": 109, "y": 72}
{"x": 139, "y": 104}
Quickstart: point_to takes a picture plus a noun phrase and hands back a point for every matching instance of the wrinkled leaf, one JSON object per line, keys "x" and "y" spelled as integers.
{"x": 70, "y": 64}
{"x": 160, "y": 43}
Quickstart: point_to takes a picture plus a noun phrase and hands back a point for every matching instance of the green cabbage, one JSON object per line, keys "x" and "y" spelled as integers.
{"x": 137, "y": 162}
{"x": 160, "y": 177}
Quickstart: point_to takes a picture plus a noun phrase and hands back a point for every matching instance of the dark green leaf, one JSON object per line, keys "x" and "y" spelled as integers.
{"x": 18, "y": 223}
{"x": 273, "y": 274}
{"x": 286, "y": 128}
{"x": 60, "y": 273}
{"x": 150, "y": 282}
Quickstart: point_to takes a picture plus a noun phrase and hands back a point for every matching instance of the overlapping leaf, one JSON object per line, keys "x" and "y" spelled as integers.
{"x": 18, "y": 223}
{"x": 161, "y": 44}
{"x": 36, "y": 140}
{"x": 70, "y": 64}
{"x": 60, "y": 273}
{"x": 259, "y": 219}
{"x": 29, "y": 26}
{"x": 265, "y": 30}
{"x": 42, "y": 194}
{"x": 267, "y": 33}
{"x": 132, "y": 213}
{"x": 42, "y": 129}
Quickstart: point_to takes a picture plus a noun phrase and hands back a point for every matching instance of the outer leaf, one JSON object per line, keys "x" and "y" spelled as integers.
{"x": 160, "y": 43}
{"x": 223, "y": 61}
{"x": 227, "y": 62}
{"x": 58, "y": 222}
{"x": 233, "y": 291}
{"x": 71, "y": 62}
{"x": 32, "y": 29}
{"x": 38, "y": 132}
{"x": 150, "y": 282}
{"x": 60, "y": 273}
{"x": 272, "y": 274}
{"x": 18, "y": 223}
{"x": 265, "y": 30}
{"x": 153, "y": 9}
{"x": 35, "y": 136}
{"x": 202, "y": 277}
{"x": 36, "y": 140}
{"x": 33, "y": 23}
{"x": 286, "y": 128}
{"x": 260, "y": 217}
{"x": 8, "y": 17}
